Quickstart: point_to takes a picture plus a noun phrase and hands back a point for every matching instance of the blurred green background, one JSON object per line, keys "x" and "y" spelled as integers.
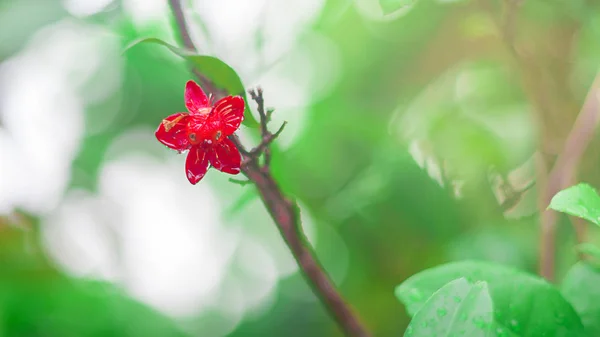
{"x": 412, "y": 141}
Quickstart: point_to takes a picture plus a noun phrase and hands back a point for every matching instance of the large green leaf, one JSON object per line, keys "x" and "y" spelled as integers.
{"x": 580, "y": 200}
{"x": 525, "y": 304}
{"x": 459, "y": 308}
{"x": 581, "y": 287}
{"x": 220, "y": 73}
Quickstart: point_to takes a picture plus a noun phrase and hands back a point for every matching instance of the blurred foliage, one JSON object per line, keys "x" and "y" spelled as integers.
{"x": 36, "y": 299}
{"x": 437, "y": 74}
{"x": 579, "y": 289}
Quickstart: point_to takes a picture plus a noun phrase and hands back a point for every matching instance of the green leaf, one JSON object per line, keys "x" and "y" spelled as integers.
{"x": 580, "y": 200}
{"x": 522, "y": 302}
{"x": 220, "y": 73}
{"x": 390, "y": 6}
{"x": 581, "y": 288}
{"x": 458, "y": 308}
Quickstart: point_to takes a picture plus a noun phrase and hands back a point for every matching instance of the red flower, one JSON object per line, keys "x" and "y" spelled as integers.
{"x": 204, "y": 132}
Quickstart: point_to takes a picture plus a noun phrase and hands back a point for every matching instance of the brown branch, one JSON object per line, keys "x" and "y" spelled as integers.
{"x": 258, "y": 98}
{"x": 564, "y": 172}
{"x": 186, "y": 39}
{"x": 284, "y": 212}
{"x": 551, "y": 179}
{"x": 263, "y": 147}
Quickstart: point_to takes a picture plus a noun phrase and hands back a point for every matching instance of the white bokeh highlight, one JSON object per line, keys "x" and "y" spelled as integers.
{"x": 42, "y": 111}
{"x": 146, "y": 228}
{"x": 84, "y": 8}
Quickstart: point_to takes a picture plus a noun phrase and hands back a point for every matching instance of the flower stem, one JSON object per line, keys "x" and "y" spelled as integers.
{"x": 285, "y": 213}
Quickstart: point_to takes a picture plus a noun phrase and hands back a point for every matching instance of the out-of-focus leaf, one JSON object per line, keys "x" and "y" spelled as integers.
{"x": 489, "y": 244}
{"x": 580, "y": 288}
{"x": 60, "y": 306}
{"x": 458, "y": 308}
{"x": 522, "y": 302}
{"x": 589, "y": 249}
{"x": 19, "y": 20}
{"x": 38, "y": 300}
{"x": 219, "y": 72}
{"x": 390, "y": 6}
{"x": 580, "y": 200}
{"x": 333, "y": 11}
{"x": 455, "y": 134}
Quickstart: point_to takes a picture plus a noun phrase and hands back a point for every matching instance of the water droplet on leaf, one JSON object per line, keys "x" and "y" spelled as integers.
{"x": 415, "y": 295}
{"x": 515, "y": 324}
{"x": 480, "y": 322}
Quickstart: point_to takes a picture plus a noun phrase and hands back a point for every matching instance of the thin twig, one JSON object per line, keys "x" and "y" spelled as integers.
{"x": 264, "y": 144}
{"x": 270, "y": 113}
{"x": 284, "y": 212}
{"x": 257, "y": 96}
{"x": 186, "y": 39}
{"x": 565, "y": 170}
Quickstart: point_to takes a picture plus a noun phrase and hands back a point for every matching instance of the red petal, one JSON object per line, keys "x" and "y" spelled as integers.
{"x": 172, "y": 132}
{"x": 225, "y": 157}
{"x": 228, "y": 113}
{"x": 195, "y": 98}
{"x": 196, "y": 164}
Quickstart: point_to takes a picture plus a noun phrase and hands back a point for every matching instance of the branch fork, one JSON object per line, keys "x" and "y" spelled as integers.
{"x": 284, "y": 212}
{"x": 267, "y": 137}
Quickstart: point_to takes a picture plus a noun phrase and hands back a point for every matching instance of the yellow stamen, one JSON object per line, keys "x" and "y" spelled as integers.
{"x": 204, "y": 111}
{"x": 170, "y": 124}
